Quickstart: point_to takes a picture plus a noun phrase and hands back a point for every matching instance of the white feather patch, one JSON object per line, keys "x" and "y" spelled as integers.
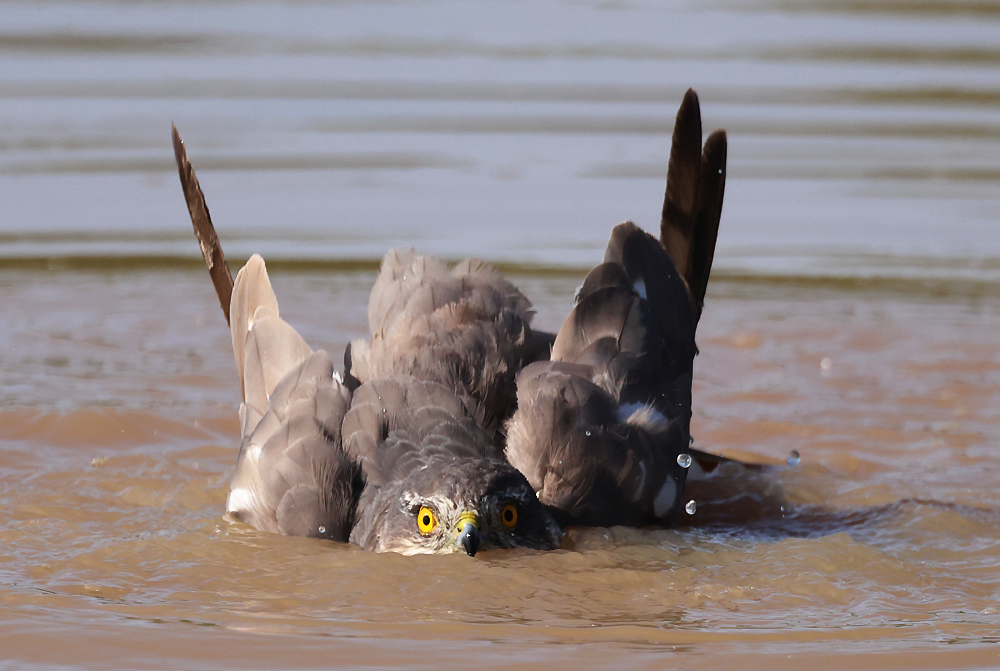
{"x": 252, "y": 454}
{"x": 640, "y": 288}
{"x": 241, "y": 499}
{"x": 644, "y": 416}
{"x": 664, "y": 500}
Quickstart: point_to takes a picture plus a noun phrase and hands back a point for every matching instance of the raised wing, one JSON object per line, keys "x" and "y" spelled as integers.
{"x": 201, "y": 220}
{"x": 692, "y": 204}
{"x": 599, "y": 429}
{"x": 292, "y": 475}
{"x": 602, "y": 431}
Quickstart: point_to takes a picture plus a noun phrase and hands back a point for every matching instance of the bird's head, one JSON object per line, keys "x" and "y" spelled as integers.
{"x": 462, "y": 505}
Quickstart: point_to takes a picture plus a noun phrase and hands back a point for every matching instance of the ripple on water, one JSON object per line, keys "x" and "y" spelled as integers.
{"x": 887, "y": 531}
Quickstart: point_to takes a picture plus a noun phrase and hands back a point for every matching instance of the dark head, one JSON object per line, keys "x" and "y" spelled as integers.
{"x": 463, "y": 505}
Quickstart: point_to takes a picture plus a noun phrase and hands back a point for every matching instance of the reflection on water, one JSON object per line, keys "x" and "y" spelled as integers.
{"x": 853, "y": 318}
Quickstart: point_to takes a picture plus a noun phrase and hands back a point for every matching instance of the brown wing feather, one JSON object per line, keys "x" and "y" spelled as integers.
{"x": 266, "y": 347}
{"x": 292, "y": 474}
{"x": 598, "y": 429}
{"x": 711, "y": 189}
{"x": 683, "y": 172}
{"x": 630, "y": 338}
{"x": 201, "y": 220}
{"x": 692, "y": 205}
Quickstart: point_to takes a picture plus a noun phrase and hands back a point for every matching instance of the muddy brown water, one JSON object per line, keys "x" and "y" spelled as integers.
{"x": 878, "y": 550}
{"x": 852, "y": 317}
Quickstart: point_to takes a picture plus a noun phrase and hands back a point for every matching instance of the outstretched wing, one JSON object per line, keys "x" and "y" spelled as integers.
{"x": 292, "y": 475}
{"x": 599, "y": 429}
{"x": 466, "y": 328}
{"x": 603, "y": 430}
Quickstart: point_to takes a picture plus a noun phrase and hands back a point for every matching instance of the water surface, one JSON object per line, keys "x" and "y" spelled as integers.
{"x": 852, "y": 318}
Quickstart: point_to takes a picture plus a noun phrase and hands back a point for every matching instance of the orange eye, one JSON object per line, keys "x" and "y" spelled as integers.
{"x": 426, "y": 520}
{"x": 508, "y": 515}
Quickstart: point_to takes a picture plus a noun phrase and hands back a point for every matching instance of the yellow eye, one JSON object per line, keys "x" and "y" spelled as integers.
{"x": 508, "y": 515}
{"x": 426, "y": 520}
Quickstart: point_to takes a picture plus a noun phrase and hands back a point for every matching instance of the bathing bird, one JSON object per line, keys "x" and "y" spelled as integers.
{"x": 455, "y": 426}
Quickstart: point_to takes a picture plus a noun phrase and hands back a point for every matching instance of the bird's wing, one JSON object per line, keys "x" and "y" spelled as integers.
{"x": 292, "y": 475}
{"x": 589, "y": 461}
{"x": 467, "y": 328}
{"x": 204, "y": 231}
{"x": 692, "y": 204}
{"x": 598, "y": 430}
{"x": 603, "y": 430}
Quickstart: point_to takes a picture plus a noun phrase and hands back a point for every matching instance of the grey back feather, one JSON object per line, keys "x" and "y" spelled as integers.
{"x": 395, "y": 422}
{"x": 292, "y": 475}
{"x": 466, "y": 328}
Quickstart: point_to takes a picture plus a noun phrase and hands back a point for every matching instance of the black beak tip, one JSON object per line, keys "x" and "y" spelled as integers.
{"x": 469, "y": 539}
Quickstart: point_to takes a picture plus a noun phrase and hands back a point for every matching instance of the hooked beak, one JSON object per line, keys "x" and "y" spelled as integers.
{"x": 468, "y": 535}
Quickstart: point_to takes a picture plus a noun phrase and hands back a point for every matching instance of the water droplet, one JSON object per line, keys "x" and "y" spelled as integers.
{"x": 684, "y": 460}
{"x": 794, "y": 458}
{"x": 322, "y": 530}
{"x": 587, "y": 433}
{"x": 690, "y": 440}
{"x": 690, "y": 507}
{"x": 826, "y": 363}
